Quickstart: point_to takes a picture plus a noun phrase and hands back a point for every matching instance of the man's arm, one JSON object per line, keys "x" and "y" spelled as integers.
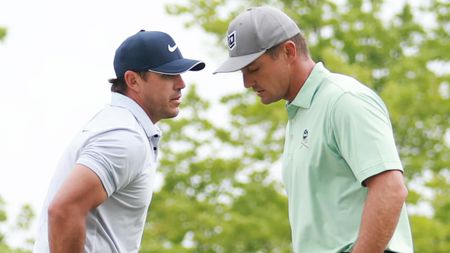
{"x": 385, "y": 199}
{"x": 81, "y": 192}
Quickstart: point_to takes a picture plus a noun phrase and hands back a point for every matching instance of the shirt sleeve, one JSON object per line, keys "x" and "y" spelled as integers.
{"x": 115, "y": 156}
{"x": 364, "y": 136}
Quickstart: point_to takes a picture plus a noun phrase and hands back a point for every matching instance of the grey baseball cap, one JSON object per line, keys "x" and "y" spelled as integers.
{"x": 254, "y": 31}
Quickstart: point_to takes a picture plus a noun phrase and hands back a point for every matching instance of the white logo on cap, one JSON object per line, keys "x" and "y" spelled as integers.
{"x": 172, "y": 49}
{"x": 232, "y": 40}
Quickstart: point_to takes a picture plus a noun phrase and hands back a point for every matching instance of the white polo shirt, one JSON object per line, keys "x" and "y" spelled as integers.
{"x": 120, "y": 144}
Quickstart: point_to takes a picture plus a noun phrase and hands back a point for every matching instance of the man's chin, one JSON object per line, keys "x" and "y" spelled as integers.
{"x": 172, "y": 114}
{"x": 268, "y": 101}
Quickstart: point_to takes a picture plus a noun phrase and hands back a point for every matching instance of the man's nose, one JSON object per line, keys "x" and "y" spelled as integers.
{"x": 179, "y": 82}
{"x": 248, "y": 82}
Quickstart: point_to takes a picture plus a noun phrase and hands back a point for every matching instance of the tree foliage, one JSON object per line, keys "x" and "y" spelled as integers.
{"x": 23, "y": 223}
{"x": 2, "y": 33}
{"x": 218, "y": 193}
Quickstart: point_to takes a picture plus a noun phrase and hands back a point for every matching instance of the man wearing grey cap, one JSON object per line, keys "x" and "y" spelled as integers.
{"x": 99, "y": 196}
{"x": 341, "y": 168}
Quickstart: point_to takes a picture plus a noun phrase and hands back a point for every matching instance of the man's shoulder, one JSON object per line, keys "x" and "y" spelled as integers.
{"x": 110, "y": 118}
{"x": 339, "y": 87}
{"x": 341, "y": 84}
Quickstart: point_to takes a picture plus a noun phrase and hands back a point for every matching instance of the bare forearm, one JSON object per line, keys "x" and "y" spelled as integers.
{"x": 81, "y": 192}
{"x": 377, "y": 227}
{"x": 379, "y": 219}
{"x": 67, "y": 233}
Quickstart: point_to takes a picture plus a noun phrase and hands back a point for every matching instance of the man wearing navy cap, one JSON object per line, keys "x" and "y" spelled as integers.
{"x": 99, "y": 196}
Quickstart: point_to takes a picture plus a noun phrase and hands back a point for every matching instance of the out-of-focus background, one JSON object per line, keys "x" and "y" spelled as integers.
{"x": 219, "y": 175}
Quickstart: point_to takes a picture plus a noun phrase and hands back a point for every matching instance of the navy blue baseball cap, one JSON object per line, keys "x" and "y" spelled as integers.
{"x": 152, "y": 51}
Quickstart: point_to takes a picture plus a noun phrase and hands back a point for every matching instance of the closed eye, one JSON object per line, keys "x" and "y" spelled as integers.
{"x": 252, "y": 69}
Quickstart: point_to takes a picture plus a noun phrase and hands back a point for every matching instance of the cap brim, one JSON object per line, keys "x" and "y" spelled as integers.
{"x": 236, "y": 63}
{"x": 179, "y": 66}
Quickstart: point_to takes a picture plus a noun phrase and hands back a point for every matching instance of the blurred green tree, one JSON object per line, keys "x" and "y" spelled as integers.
{"x": 219, "y": 193}
{"x": 2, "y": 33}
{"x": 23, "y": 223}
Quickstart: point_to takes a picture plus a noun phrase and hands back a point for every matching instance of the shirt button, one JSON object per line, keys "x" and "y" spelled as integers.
{"x": 155, "y": 148}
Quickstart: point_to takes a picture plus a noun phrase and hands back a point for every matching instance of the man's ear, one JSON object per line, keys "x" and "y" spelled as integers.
{"x": 290, "y": 50}
{"x": 131, "y": 79}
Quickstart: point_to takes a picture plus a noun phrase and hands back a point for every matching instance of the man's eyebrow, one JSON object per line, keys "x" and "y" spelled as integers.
{"x": 251, "y": 64}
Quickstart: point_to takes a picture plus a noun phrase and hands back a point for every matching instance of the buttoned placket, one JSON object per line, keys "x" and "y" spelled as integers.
{"x": 154, "y": 140}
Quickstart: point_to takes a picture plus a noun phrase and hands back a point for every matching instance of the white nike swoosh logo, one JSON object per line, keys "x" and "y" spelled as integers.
{"x": 172, "y": 49}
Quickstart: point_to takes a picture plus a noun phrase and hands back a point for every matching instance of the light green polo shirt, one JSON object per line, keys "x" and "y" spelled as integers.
{"x": 338, "y": 135}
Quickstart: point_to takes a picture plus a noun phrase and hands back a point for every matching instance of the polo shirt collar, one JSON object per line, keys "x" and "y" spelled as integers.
{"x": 305, "y": 96}
{"x": 123, "y": 101}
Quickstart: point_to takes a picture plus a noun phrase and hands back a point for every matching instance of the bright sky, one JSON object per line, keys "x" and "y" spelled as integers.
{"x": 54, "y": 66}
